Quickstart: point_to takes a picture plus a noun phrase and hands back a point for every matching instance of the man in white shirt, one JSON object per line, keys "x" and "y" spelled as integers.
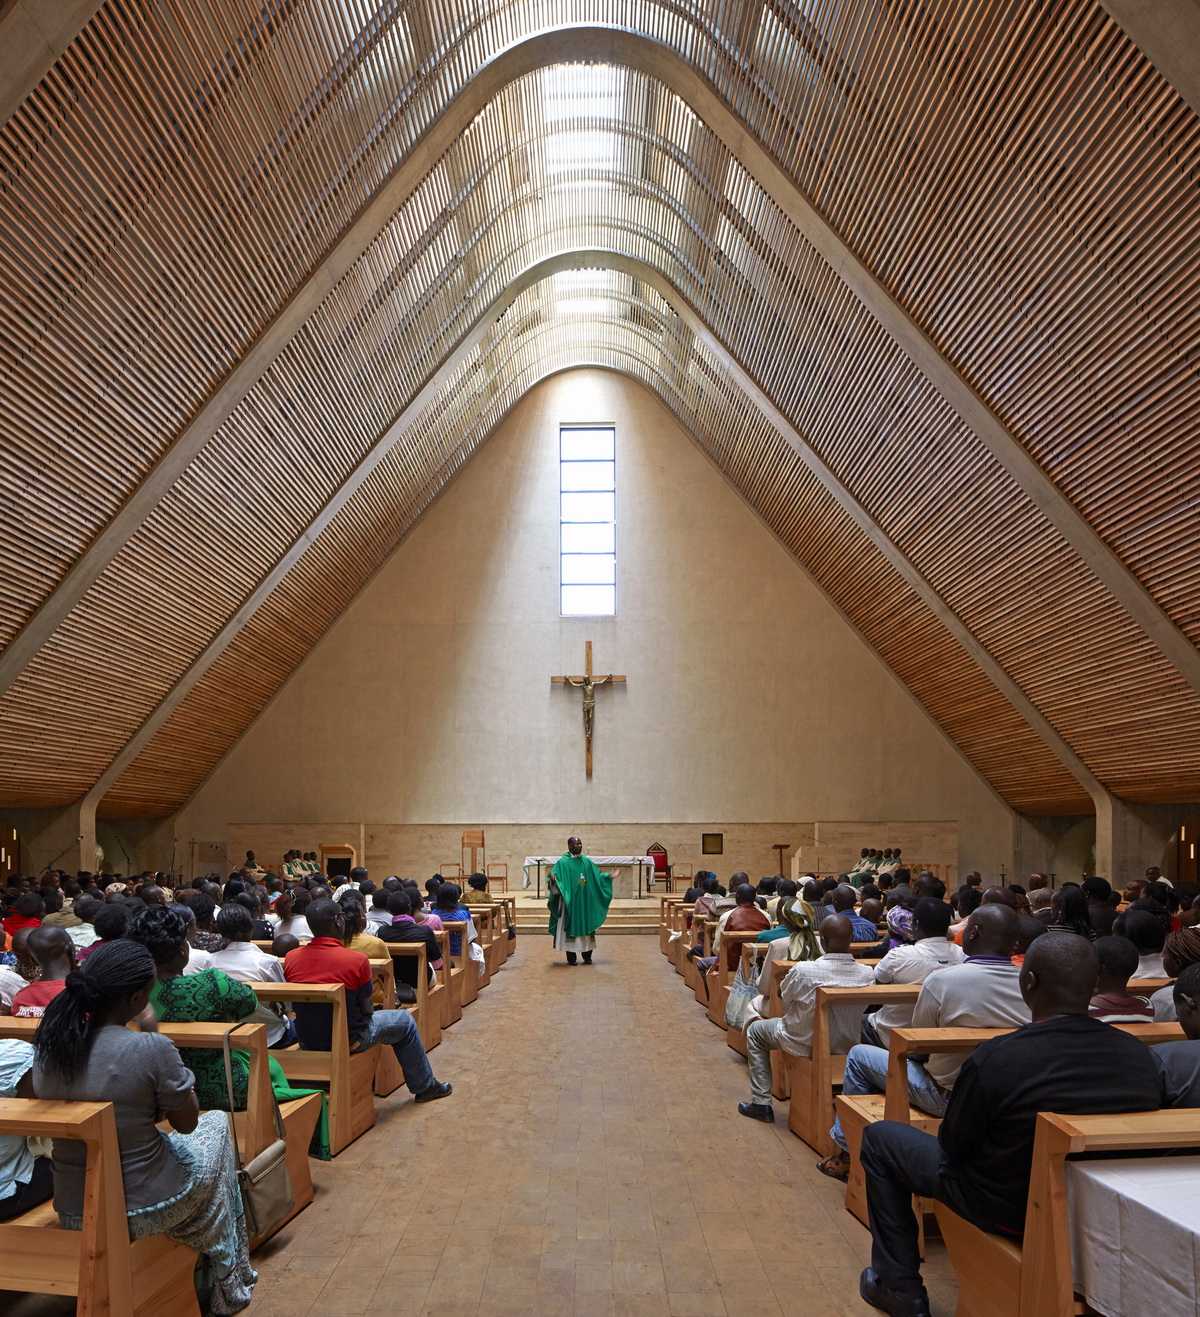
{"x": 243, "y": 961}
{"x": 984, "y": 992}
{"x": 913, "y": 962}
{"x": 792, "y": 1032}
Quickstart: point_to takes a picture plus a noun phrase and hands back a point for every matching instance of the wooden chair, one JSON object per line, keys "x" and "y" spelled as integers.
{"x": 451, "y": 869}
{"x": 473, "y": 841}
{"x": 497, "y": 873}
{"x": 349, "y": 1075}
{"x": 680, "y": 873}
{"x": 812, "y": 1078}
{"x": 110, "y": 1275}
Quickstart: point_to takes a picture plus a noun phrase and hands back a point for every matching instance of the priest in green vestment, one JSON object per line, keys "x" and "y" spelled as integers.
{"x": 578, "y": 899}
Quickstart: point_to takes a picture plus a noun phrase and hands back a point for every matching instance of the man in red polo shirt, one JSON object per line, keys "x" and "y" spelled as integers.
{"x": 327, "y": 960}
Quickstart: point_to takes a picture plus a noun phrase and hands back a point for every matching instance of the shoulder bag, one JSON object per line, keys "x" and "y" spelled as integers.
{"x": 266, "y": 1186}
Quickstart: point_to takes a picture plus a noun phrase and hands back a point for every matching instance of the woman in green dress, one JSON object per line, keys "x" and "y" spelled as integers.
{"x": 210, "y": 996}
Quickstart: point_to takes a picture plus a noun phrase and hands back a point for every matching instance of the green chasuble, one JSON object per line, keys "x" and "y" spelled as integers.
{"x": 586, "y": 892}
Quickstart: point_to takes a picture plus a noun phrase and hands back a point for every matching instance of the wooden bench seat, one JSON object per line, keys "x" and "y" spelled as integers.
{"x": 110, "y": 1275}
{"x": 350, "y": 1076}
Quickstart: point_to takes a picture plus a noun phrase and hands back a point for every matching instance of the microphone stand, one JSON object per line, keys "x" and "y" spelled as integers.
{"x": 61, "y": 853}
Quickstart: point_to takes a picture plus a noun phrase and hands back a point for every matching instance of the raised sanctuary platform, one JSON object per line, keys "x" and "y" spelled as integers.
{"x": 625, "y": 915}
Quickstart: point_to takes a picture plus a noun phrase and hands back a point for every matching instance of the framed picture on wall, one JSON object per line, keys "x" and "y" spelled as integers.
{"x": 712, "y": 843}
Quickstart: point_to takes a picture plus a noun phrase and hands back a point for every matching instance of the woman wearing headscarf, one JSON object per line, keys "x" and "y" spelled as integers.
{"x": 796, "y": 915}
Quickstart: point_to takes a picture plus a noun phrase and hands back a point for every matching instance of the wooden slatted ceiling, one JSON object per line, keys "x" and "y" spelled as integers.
{"x": 193, "y": 160}
{"x": 536, "y": 338}
{"x": 892, "y": 56}
{"x": 393, "y": 317}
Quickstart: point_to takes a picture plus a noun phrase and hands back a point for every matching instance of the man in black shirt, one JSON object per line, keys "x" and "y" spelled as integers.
{"x": 979, "y": 1163}
{"x": 405, "y": 929}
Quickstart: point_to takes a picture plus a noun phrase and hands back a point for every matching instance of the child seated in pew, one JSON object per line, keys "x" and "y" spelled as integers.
{"x": 326, "y": 960}
{"x": 1112, "y": 1001}
{"x": 25, "y": 1176}
{"x": 183, "y": 1184}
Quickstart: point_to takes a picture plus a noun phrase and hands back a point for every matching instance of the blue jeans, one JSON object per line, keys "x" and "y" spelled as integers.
{"x": 866, "y": 1072}
{"x": 400, "y": 1030}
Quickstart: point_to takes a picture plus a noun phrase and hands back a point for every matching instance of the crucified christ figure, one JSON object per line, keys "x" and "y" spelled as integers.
{"x": 588, "y": 686}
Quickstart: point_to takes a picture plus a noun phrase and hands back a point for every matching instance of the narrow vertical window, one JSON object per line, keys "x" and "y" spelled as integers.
{"x": 587, "y": 482}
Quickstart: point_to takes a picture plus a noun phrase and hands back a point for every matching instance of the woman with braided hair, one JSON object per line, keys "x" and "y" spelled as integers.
{"x": 184, "y": 1184}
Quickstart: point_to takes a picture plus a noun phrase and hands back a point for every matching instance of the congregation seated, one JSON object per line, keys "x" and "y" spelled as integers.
{"x": 964, "y": 903}
{"x": 109, "y": 924}
{"x": 181, "y": 1184}
{"x": 1028, "y": 929}
{"x": 243, "y": 962}
{"x": 26, "y": 912}
{"x": 982, "y": 991}
{"x": 404, "y": 928}
{"x": 326, "y": 960}
{"x": 1112, "y": 1002}
{"x": 290, "y": 913}
{"x": 377, "y": 910}
{"x": 912, "y": 962}
{"x": 477, "y": 891}
{"x": 1039, "y": 904}
{"x": 26, "y": 1177}
{"x": 785, "y": 890}
{"x": 1099, "y": 896}
{"x": 744, "y": 917}
{"x": 1147, "y": 925}
{"x": 53, "y": 952}
{"x": 793, "y": 1030}
{"x": 197, "y": 960}
{"x": 844, "y": 901}
{"x": 447, "y": 905}
{"x": 799, "y": 943}
{"x": 204, "y": 937}
{"x": 979, "y": 1162}
{"x": 1069, "y": 911}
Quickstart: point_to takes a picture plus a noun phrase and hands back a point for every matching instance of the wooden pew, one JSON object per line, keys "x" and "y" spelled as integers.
{"x": 112, "y": 1276}
{"x": 507, "y": 905}
{"x": 720, "y": 978}
{"x": 488, "y": 925}
{"x": 812, "y": 1079}
{"x": 256, "y": 1124}
{"x": 667, "y": 906}
{"x": 462, "y": 966}
{"x": 452, "y": 1000}
{"x": 860, "y": 1110}
{"x": 350, "y": 1076}
{"x": 427, "y": 1014}
{"x": 999, "y": 1277}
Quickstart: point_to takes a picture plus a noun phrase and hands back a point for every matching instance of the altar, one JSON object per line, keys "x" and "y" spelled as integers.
{"x": 629, "y": 872}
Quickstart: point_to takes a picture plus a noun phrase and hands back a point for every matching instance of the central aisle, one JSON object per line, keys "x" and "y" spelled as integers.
{"x": 591, "y": 1162}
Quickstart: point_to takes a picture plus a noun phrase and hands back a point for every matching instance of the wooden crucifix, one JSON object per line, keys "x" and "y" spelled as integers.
{"x": 587, "y": 683}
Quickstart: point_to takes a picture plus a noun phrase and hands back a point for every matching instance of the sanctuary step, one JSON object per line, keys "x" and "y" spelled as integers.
{"x": 626, "y": 915}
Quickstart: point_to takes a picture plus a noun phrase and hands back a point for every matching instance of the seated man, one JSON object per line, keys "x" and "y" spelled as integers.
{"x": 1179, "y": 1063}
{"x": 983, "y": 992}
{"x": 912, "y": 962}
{"x": 404, "y": 928}
{"x": 844, "y": 900}
{"x": 1148, "y": 931}
{"x": 793, "y": 1030}
{"x": 326, "y": 960}
{"x": 745, "y": 917}
{"x": 979, "y": 1163}
{"x": 1112, "y": 1001}
{"x": 377, "y": 912}
{"x": 52, "y": 950}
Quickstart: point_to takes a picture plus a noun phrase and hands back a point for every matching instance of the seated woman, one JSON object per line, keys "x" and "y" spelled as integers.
{"x": 243, "y": 961}
{"x": 357, "y": 938}
{"x": 477, "y": 893}
{"x": 288, "y": 913}
{"x": 183, "y": 1185}
{"x": 211, "y": 997}
{"x": 448, "y": 907}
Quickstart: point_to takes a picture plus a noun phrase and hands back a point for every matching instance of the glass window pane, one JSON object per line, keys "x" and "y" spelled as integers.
{"x": 585, "y": 445}
{"x": 589, "y": 600}
{"x": 589, "y": 507}
{"x": 589, "y": 475}
{"x": 589, "y": 569}
{"x": 588, "y": 537}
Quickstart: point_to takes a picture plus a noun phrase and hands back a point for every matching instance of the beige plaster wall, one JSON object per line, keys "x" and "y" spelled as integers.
{"x": 429, "y": 704}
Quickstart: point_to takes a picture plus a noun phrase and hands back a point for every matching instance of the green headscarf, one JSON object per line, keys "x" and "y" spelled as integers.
{"x": 797, "y": 915}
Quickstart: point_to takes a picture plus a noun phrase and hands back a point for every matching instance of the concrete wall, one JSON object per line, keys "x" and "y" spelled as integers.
{"x": 749, "y": 698}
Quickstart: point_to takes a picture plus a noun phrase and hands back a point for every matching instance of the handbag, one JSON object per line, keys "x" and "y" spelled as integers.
{"x": 266, "y": 1185}
{"x": 741, "y": 993}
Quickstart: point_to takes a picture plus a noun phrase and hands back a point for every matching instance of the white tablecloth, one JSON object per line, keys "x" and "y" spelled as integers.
{"x": 1135, "y": 1235}
{"x": 601, "y": 862}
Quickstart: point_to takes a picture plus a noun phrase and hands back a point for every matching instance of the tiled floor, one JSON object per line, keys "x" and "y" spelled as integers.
{"x": 591, "y": 1162}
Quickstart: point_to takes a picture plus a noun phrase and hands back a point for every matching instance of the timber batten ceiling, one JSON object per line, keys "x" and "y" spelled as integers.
{"x": 1016, "y": 175}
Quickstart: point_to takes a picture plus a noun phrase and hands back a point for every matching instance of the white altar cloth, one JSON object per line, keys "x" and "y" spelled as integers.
{"x": 631, "y": 862}
{"x": 1135, "y": 1235}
